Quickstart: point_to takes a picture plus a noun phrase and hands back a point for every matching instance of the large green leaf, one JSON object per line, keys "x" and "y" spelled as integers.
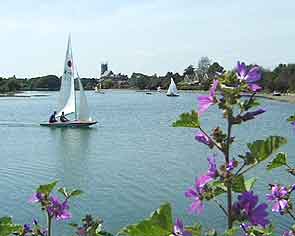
{"x": 262, "y": 149}
{"x": 47, "y": 188}
{"x": 278, "y": 161}
{"x": 7, "y": 227}
{"x": 190, "y": 120}
{"x": 241, "y": 185}
{"x": 159, "y": 223}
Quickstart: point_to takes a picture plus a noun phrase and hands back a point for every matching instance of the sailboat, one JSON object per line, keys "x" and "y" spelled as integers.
{"x": 97, "y": 88}
{"x": 68, "y": 98}
{"x": 172, "y": 90}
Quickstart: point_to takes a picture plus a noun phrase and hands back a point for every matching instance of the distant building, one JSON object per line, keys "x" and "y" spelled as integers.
{"x": 103, "y": 68}
{"x": 191, "y": 79}
{"x": 119, "y": 80}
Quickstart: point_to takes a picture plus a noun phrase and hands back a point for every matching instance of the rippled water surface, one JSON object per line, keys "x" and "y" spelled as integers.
{"x": 128, "y": 164}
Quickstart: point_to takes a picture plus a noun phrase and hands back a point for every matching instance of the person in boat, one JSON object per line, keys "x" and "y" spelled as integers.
{"x": 63, "y": 118}
{"x": 52, "y": 118}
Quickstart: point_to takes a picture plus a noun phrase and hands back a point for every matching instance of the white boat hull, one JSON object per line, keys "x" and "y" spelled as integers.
{"x": 71, "y": 124}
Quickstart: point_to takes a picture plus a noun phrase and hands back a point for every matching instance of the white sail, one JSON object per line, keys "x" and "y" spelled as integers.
{"x": 67, "y": 102}
{"x": 83, "y": 104}
{"x": 172, "y": 90}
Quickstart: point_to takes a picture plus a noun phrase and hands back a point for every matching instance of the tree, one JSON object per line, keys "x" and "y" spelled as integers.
{"x": 203, "y": 67}
{"x": 190, "y": 70}
{"x": 214, "y": 69}
{"x": 107, "y": 84}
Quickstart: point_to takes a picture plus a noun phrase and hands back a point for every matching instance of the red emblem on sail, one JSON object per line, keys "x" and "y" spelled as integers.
{"x": 69, "y": 64}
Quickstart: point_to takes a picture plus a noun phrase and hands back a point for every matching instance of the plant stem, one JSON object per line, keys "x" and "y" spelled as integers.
{"x": 290, "y": 213}
{"x": 249, "y": 168}
{"x": 229, "y": 186}
{"x": 49, "y": 221}
{"x": 241, "y": 168}
{"x": 220, "y": 206}
{"x": 214, "y": 143}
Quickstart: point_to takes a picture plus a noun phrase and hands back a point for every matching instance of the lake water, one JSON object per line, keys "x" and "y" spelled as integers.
{"x": 128, "y": 164}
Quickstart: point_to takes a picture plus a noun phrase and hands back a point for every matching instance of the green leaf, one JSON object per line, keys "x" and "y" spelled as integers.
{"x": 241, "y": 185}
{"x": 160, "y": 223}
{"x": 291, "y": 118}
{"x": 190, "y": 120}
{"x": 238, "y": 184}
{"x": 196, "y": 229}
{"x": 231, "y": 232}
{"x": 47, "y": 188}
{"x": 7, "y": 227}
{"x": 278, "y": 161}
{"x": 262, "y": 149}
{"x": 63, "y": 191}
{"x": 104, "y": 233}
{"x": 76, "y": 192}
{"x": 67, "y": 194}
{"x": 249, "y": 183}
{"x": 211, "y": 232}
{"x": 218, "y": 188}
{"x": 73, "y": 225}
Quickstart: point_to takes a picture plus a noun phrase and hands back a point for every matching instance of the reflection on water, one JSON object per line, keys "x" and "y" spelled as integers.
{"x": 129, "y": 163}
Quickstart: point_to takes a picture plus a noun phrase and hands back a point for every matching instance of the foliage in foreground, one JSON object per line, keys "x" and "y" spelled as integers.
{"x": 244, "y": 212}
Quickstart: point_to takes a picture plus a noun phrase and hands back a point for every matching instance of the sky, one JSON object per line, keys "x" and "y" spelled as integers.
{"x": 148, "y": 36}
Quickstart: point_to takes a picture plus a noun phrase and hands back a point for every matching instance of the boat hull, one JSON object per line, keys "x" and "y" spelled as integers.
{"x": 71, "y": 124}
{"x": 172, "y": 95}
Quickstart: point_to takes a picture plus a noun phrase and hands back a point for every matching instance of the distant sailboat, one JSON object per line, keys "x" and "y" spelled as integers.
{"x": 68, "y": 97}
{"x": 97, "y": 88}
{"x": 172, "y": 90}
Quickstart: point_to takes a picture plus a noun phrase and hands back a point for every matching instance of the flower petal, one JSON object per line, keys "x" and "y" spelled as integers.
{"x": 204, "y": 103}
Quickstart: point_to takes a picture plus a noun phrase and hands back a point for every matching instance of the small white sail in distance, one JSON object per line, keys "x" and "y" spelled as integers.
{"x": 67, "y": 102}
{"x": 83, "y": 113}
{"x": 172, "y": 90}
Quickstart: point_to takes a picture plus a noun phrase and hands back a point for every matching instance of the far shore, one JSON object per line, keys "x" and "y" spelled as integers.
{"x": 290, "y": 98}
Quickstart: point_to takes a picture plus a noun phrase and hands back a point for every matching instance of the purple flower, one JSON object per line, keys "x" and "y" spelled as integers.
{"x": 247, "y": 206}
{"x": 255, "y": 87}
{"x": 231, "y": 165}
{"x": 206, "y": 101}
{"x": 197, "y": 205}
{"x": 249, "y": 76}
{"x": 195, "y": 193}
{"x": 279, "y": 195}
{"x": 211, "y": 174}
{"x": 81, "y": 231}
{"x": 59, "y": 210}
{"x": 178, "y": 229}
{"x": 252, "y": 114}
{"x": 289, "y": 233}
{"x": 27, "y": 229}
{"x": 293, "y": 124}
{"x": 37, "y": 197}
{"x": 202, "y": 138}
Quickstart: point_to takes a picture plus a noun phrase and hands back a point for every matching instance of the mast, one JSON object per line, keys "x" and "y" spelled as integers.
{"x": 75, "y": 96}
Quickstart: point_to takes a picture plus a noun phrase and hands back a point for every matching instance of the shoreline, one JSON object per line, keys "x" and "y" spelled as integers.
{"x": 290, "y": 98}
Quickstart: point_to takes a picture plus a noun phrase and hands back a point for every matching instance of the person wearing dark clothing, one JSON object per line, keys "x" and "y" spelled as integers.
{"x": 63, "y": 118}
{"x": 52, "y": 118}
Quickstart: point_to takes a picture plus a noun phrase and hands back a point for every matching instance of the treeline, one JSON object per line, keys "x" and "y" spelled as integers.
{"x": 46, "y": 83}
{"x": 199, "y": 77}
